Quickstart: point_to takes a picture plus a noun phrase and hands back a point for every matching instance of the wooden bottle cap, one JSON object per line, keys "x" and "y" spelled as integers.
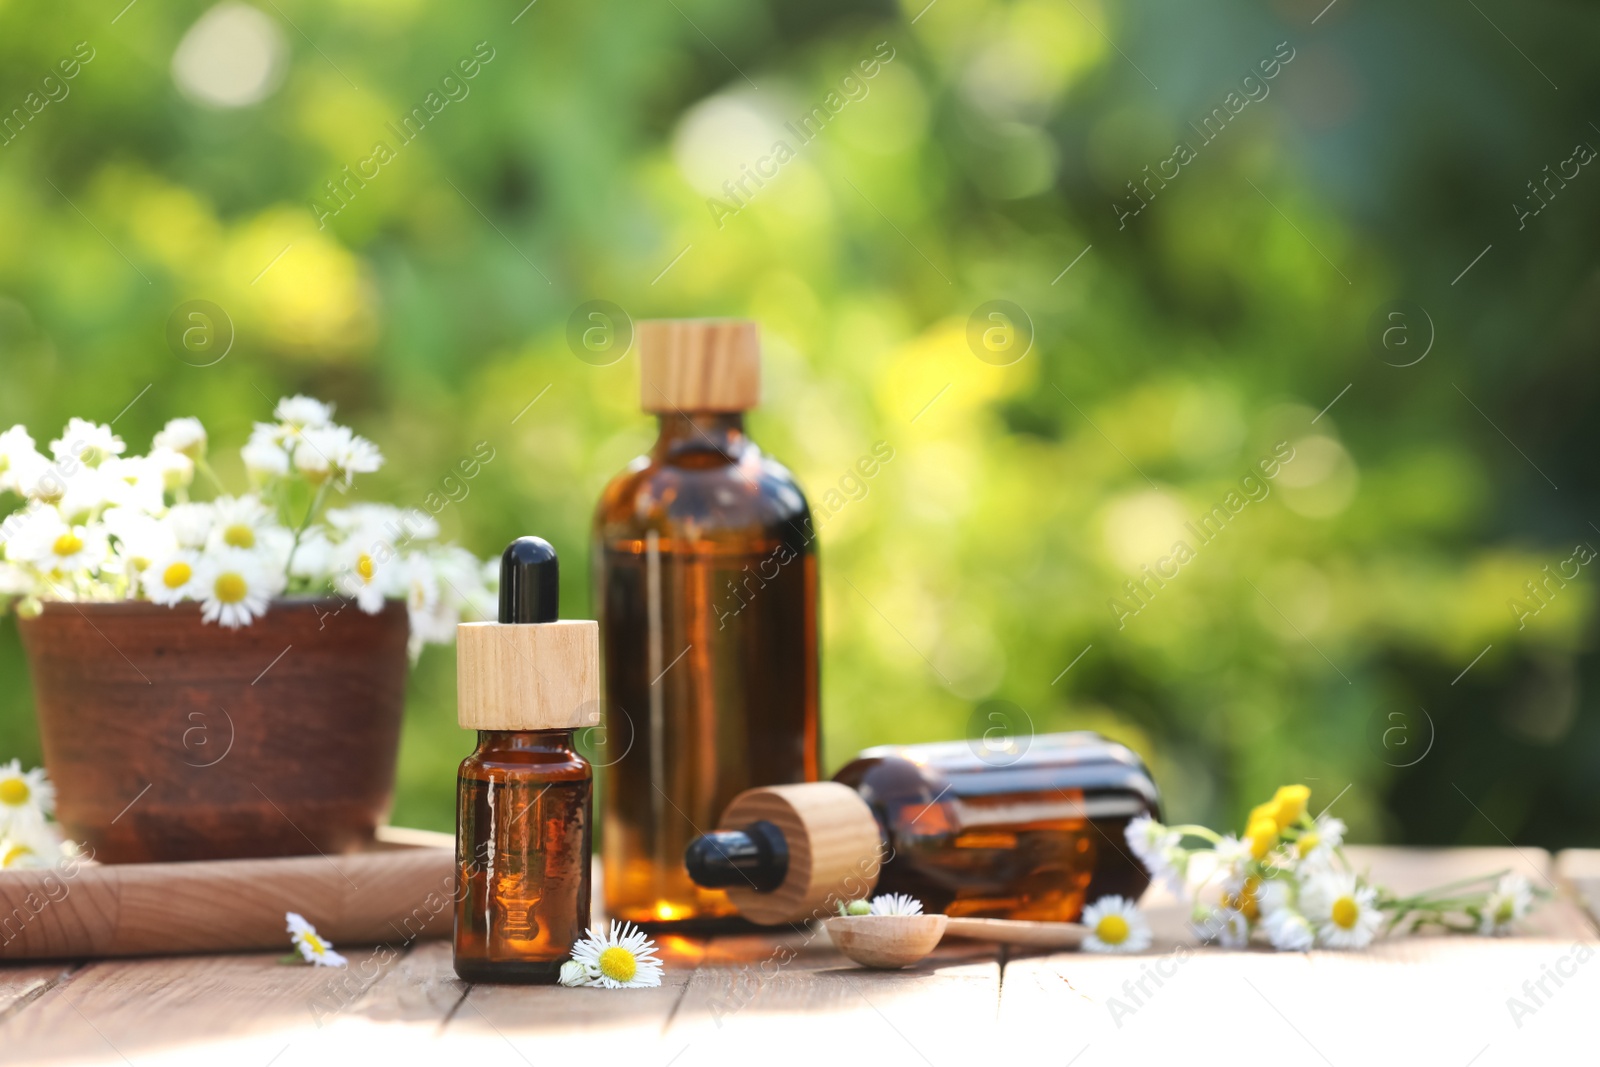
{"x": 835, "y": 849}
{"x": 528, "y": 676}
{"x": 699, "y": 365}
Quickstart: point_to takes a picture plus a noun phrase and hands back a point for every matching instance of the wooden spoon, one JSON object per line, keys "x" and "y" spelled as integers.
{"x": 892, "y": 941}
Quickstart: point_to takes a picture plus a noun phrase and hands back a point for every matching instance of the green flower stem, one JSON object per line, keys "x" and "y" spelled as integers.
{"x": 1190, "y": 830}
{"x": 311, "y": 511}
{"x": 1431, "y": 896}
{"x": 211, "y": 476}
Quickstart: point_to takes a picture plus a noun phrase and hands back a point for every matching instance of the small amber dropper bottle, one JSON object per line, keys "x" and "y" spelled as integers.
{"x": 524, "y": 798}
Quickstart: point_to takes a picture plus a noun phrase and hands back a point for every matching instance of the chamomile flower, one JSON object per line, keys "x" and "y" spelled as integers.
{"x": 1344, "y": 911}
{"x": 303, "y": 412}
{"x": 138, "y": 539}
{"x": 14, "y": 581}
{"x": 191, "y": 523}
{"x": 896, "y": 904}
{"x": 171, "y": 578}
{"x": 1233, "y": 861}
{"x": 1157, "y": 848}
{"x": 313, "y": 947}
{"x": 238, "y": 521}
{"x": 1317, "y": 845}
{"x": 26, "y": 798}
{"x": 31, "y": 844}
{"x": 56, "y": 547}
{"x": 89, "y": 443}
{"x": 1289, "y": 931}
{"x": 234, "y": 586}
{"x": 623, "y": 958}
{"x": 171, "y": 469}
{"x": 1511, "y": 899}
{"x": 575, "y": 974}
{"x": 185, "y": 435}
{"x": 17, "y": 454}
{"x": 18, "y": 855}
{"x": 368, "y": 572}
{"x": 264, "y": 458}
{"x": 334, "y": 454}
{"x": 1115, "y": 925}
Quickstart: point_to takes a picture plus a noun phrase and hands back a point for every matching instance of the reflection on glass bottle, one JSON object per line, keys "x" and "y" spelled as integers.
{"x": 523, "y": 855}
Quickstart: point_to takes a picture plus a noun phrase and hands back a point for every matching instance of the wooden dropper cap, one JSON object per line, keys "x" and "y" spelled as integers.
{"x": 689, "y": 365}
{"x": 834, "y": 845}
{"x": 530, "y": 670}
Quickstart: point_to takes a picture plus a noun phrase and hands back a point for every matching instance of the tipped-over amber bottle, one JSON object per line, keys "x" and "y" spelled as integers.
{"x": 524, "y": 796}
{"x": 706, "y": 585}
{"x": 1026, "y": 831}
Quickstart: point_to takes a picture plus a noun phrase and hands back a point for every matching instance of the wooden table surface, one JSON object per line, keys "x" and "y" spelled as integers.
{"x": 1423, "y": 1001}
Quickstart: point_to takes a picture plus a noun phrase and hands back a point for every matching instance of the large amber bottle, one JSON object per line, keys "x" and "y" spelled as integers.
{"x": 706, "y": 583}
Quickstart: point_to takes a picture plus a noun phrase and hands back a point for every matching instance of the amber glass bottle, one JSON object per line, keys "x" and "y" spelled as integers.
{"x": 706, "y": 585}
{"x": 524, "y": 796}
{"x": 1025, "y": 832}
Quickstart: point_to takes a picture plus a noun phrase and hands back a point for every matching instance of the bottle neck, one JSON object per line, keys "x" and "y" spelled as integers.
{"x": 527, "y": 742}
{"x": 701, "y": 431}
{"x": 756, "y": 856}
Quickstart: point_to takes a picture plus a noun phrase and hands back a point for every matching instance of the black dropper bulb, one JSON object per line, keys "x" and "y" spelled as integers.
{"x": 530, "y": 581}
{"x": 757, "y": 856}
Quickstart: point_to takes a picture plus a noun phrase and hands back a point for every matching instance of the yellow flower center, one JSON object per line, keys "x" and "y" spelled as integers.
{"x": 239, "y": 536}
{"x": 230, "y": 588}
{"x": 1345, "y": 913}
{"x": 1248, "y": 902}
{"x": 1308, "y": 843}
{"x": 318, "y": 946}
{"x": 13, "y": 854}
{"x": 177, "y": 575}
{"x": 365, "y": 567}
{"x": 618, "y": 964}
{"x": 1505, "y": 912}
{"x": 14, "y": 792}
{"x": 1112, "y": 929}
{"x": 68, "y": 544}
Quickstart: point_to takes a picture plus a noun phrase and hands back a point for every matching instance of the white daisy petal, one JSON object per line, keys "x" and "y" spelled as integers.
{"x": 1511, "y": 899}
{"x": 185, "y": 435}
{"x": 314, "y": 949}
{"x": 622, "y": 958}
{"x": 235, "y": 586}
{"x": 895, "y": 904}
{"x": 1115, "y": 925}
{"x": 1342, "y": 909}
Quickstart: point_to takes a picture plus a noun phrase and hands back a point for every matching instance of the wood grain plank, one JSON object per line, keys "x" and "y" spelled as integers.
{"x": 245, "y": 1009}
{"x": 540, "y": 1024}
{"x": 91, "y": 910}
{"x": 1436, "y": 999}
{"x": 763, "y": 997}
{"x": 22, "y": 983}
{"x": 1579, "y": 870}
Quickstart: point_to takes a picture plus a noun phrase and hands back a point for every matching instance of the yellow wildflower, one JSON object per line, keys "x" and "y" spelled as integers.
{"x": 1262, "y": 835}
{"x": 1290, "y": 802}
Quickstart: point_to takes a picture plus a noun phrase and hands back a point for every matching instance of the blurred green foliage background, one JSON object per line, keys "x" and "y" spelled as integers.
{"x": 990, "y": 151}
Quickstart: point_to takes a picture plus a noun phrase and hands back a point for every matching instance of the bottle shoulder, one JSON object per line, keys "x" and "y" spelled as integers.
{"x": 535, "y": 767}
{"x": 688, "y": 497}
